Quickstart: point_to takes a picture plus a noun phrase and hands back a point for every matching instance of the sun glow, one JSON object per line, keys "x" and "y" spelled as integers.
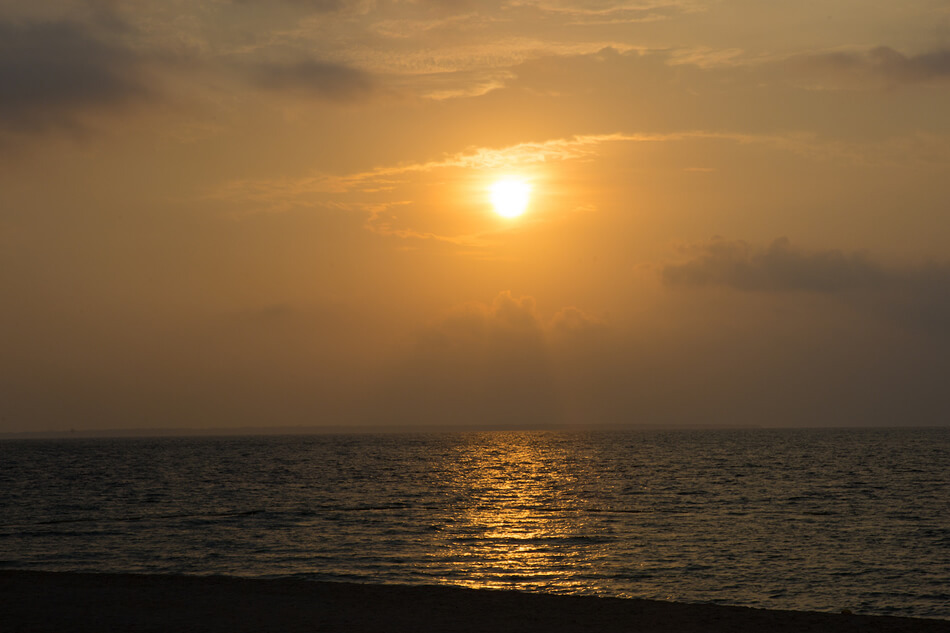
{"x": 510, "y": 197}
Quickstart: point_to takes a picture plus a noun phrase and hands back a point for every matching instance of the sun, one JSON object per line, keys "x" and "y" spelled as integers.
{"x": 510, "y": 197}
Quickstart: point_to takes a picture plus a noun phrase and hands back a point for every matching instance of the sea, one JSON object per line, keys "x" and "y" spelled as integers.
{"x": 807, "y": 519}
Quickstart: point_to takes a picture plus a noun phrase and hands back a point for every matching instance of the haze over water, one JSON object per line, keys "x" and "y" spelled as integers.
{"x": 792, "y": 519}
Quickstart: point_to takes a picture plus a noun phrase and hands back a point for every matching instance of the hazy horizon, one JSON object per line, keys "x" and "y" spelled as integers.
{"x": 433, "y": 429}
{"x": 235, "y": 213}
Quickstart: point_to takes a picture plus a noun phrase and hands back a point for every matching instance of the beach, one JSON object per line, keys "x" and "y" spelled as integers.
{"x": 78, "y": 602}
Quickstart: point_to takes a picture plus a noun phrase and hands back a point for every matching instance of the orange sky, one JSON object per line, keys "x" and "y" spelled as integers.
{"x": 228, "y": 213}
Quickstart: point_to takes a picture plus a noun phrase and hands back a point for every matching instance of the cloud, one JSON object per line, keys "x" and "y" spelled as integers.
{"x": 573, "y": 322}
{"x": 283, "y": 192}
{"x": 360, "y": 191}
{"x": 51, "y": 72}
{"x": 55, "y": 72}
{"x": 882, "y": 62}
{"x": 396, "y": 198}
{"x": 915, "y": 296}
{"x": 776, "y": 268}
{"x": 483, "y": 363}
{"x": 613, "y": 12}
{"x": 506, "y": 324}
{"x": 334, "y": 82}
{"x": 477, "y": 364}
{"x": 911, "y": 68}
{"x": 507, "y": 321}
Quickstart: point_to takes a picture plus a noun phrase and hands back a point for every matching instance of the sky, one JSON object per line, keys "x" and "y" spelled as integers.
{"x": 239, "y": 213}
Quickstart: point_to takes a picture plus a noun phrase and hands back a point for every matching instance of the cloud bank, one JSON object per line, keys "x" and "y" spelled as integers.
{"x": 478, "y": 364}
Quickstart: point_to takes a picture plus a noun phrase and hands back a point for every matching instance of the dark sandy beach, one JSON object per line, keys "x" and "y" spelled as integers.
{"x": 67, "y": 602}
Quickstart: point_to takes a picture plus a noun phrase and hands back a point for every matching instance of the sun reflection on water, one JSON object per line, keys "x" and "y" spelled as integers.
{"x": 520, "y": 517}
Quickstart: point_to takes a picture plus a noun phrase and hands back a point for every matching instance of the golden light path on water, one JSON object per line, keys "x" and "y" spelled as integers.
{"x": 524, "y": 518}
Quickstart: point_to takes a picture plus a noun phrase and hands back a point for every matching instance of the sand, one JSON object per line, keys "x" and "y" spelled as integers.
{"x": 67, "y": 602}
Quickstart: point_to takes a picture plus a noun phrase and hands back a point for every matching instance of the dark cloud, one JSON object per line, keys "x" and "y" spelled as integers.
{"x": 53, "y": 71}
{"x": 883, "y": 62}
{"x": 107, "y": 15}
{"x": 334, "y": 82}
{"x": 778, "y": 267}
{"x": 909, "y": 68}
{"x": 917, "y": 297}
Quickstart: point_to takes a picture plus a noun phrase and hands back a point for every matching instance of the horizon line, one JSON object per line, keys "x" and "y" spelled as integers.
{"x": 367, "y": 429}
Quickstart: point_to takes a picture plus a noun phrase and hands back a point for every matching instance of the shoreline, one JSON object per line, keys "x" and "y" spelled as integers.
{"x": 75, "y": 602}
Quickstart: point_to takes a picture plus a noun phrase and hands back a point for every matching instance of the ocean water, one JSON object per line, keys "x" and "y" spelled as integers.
{"x": 791, "y": 519}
